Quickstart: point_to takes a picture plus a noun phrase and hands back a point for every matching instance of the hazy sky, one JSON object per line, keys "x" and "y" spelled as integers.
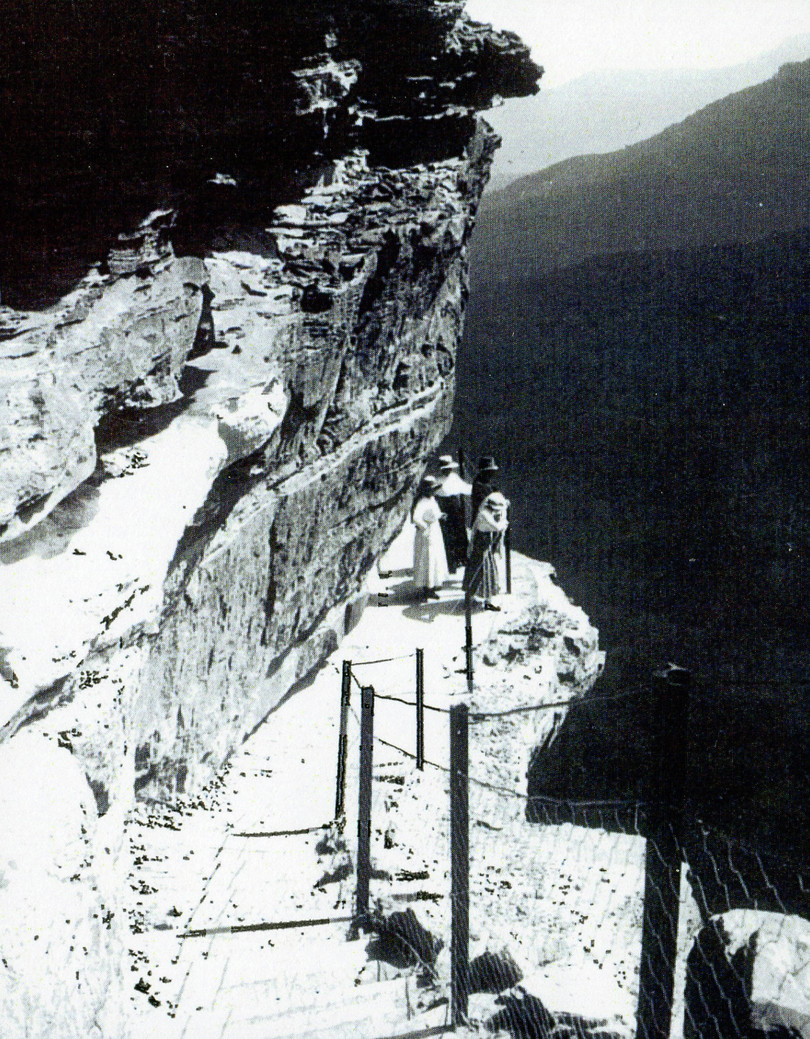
{"x": 570, "y": 37}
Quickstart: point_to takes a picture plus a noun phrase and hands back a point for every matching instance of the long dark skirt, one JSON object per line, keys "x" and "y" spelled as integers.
{"x": 482, "y": 577}
{"x": 454, "y": 529}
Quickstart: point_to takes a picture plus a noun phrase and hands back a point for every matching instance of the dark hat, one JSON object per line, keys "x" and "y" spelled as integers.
{"x": 486, "y": 464}
{"x": 446, "y": 462}
{"x": 430, "y": 483}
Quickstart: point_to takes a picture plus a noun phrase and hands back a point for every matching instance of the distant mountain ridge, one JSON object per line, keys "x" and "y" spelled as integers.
{"x": 609, "y": 109}
{"x": 637, "y": 358}
{"x": 735, "y": 171}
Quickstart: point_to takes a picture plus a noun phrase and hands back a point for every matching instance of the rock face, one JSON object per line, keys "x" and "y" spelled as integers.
{"x": 57, "y": 900}
{"x": 118, "y": 340}
{"x": 233, "y": 269}
{"x": 749, "y": 975}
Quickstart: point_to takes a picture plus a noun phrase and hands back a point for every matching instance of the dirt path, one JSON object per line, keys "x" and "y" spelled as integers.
{"x": 216, "y": 876}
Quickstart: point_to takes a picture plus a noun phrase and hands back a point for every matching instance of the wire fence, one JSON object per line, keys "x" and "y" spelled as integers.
{"x": 401, "y": 904}
{"x": 530, "y": 915}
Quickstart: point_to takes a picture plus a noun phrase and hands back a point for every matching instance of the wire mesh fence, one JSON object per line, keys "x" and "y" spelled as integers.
{"x": 556, "y": 894}
{"x": 400, "y": 908}
{"x": 747, "y": 970}
{"x": 578, "y": 918}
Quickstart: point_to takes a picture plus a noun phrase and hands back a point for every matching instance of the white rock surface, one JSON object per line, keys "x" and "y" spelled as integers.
{"x": 61, "y": 943}
{"x": 779, "y": 950}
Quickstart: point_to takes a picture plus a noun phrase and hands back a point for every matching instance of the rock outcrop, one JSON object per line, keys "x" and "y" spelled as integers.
{"x": 748, "y": 974}
{"x": 209, "y": 439}
{"x": 233, "y": 272}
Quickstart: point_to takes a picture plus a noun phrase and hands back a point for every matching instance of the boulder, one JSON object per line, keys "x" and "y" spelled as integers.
{"x": 748, "y": 975}
{"x": 568, "y": 1000}
{"x": 493, "y": 972}
{"x": 523, "y": 1015}
{"x": 403, "y": 937}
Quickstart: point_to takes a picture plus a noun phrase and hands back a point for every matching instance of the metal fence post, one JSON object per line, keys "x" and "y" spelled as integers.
{"x": 468, "y": 642}
{"x": 662, "y": 879}
{"x": 420, "y": 708}
{"x": 345, "y": 699}
{"x": 459, "y": 863}
{"x": 364, "y": 806}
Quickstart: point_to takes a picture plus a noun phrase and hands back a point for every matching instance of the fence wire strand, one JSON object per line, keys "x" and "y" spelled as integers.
{"x": 562, "y": 892}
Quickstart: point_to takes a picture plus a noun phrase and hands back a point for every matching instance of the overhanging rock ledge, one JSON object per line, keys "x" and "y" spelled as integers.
{"x": 233, "y": 272}
{"x": 214, "y": 415}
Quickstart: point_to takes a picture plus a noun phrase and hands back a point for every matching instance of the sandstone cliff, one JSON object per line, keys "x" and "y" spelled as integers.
{"x": 233, "y": 272}
{"x": 209, "y": 437}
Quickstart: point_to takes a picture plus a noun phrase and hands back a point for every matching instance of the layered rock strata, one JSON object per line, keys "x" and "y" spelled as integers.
{"x": 234, "y": 273}
{"x": 211, "y": 436}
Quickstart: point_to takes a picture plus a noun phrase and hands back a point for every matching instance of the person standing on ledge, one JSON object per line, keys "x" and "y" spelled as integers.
{"x": 452, "y": 497}
{"x": 483, "y": 575}
{"x": 429, "y": 558}
{"x": 484, "y": 482}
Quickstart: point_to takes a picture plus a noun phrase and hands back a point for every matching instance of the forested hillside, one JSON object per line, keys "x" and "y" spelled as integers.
{"x": 735, "y": 171}
{"x": 637, "y": 359}
{"x": 610, "y": 108}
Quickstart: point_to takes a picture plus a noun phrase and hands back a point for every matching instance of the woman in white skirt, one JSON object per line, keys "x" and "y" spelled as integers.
{"x": 429, "y": 558}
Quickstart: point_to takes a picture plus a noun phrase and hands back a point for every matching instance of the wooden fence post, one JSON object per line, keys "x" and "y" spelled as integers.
{"x": 420, "y": 708}
{"x": 345, "y": 699}
{"x": 468, "y": 641}
{"x": 459, "y": 863}
{"x": 507, "y": 544}
{"x": 662, "y": 879}
{"x": 364, "y": 806}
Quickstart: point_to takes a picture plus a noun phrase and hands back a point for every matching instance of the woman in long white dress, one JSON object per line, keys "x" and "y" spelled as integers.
{"x": 429, "y": 558}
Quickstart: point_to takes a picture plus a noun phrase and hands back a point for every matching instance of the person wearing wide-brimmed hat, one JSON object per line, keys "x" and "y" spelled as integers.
{"x": 452, "y": 495}
{"x": 429, "y": 558}
{"x": 483, "y": 575}
{"x": 484, "y": 482}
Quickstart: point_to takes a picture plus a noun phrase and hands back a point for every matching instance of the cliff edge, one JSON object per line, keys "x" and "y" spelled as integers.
{"x": 214, "y": 414}
{"x": 233, "y": 269}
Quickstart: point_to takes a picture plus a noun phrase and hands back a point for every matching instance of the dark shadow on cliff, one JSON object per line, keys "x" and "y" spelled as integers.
{"x": 609, "y": 752}
{"x": 113, "y": 109}
{"x": 116, "y": 109}
{"x": 603, "y": 750}
{"x": 51, "y": 537}
{"x": 661, "y": 399}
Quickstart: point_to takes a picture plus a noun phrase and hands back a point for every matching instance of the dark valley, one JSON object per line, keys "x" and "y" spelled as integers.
{"x": 637, "y": 357}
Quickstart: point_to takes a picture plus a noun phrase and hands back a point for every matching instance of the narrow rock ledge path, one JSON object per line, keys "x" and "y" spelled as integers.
{"x": 242, "y": 896}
